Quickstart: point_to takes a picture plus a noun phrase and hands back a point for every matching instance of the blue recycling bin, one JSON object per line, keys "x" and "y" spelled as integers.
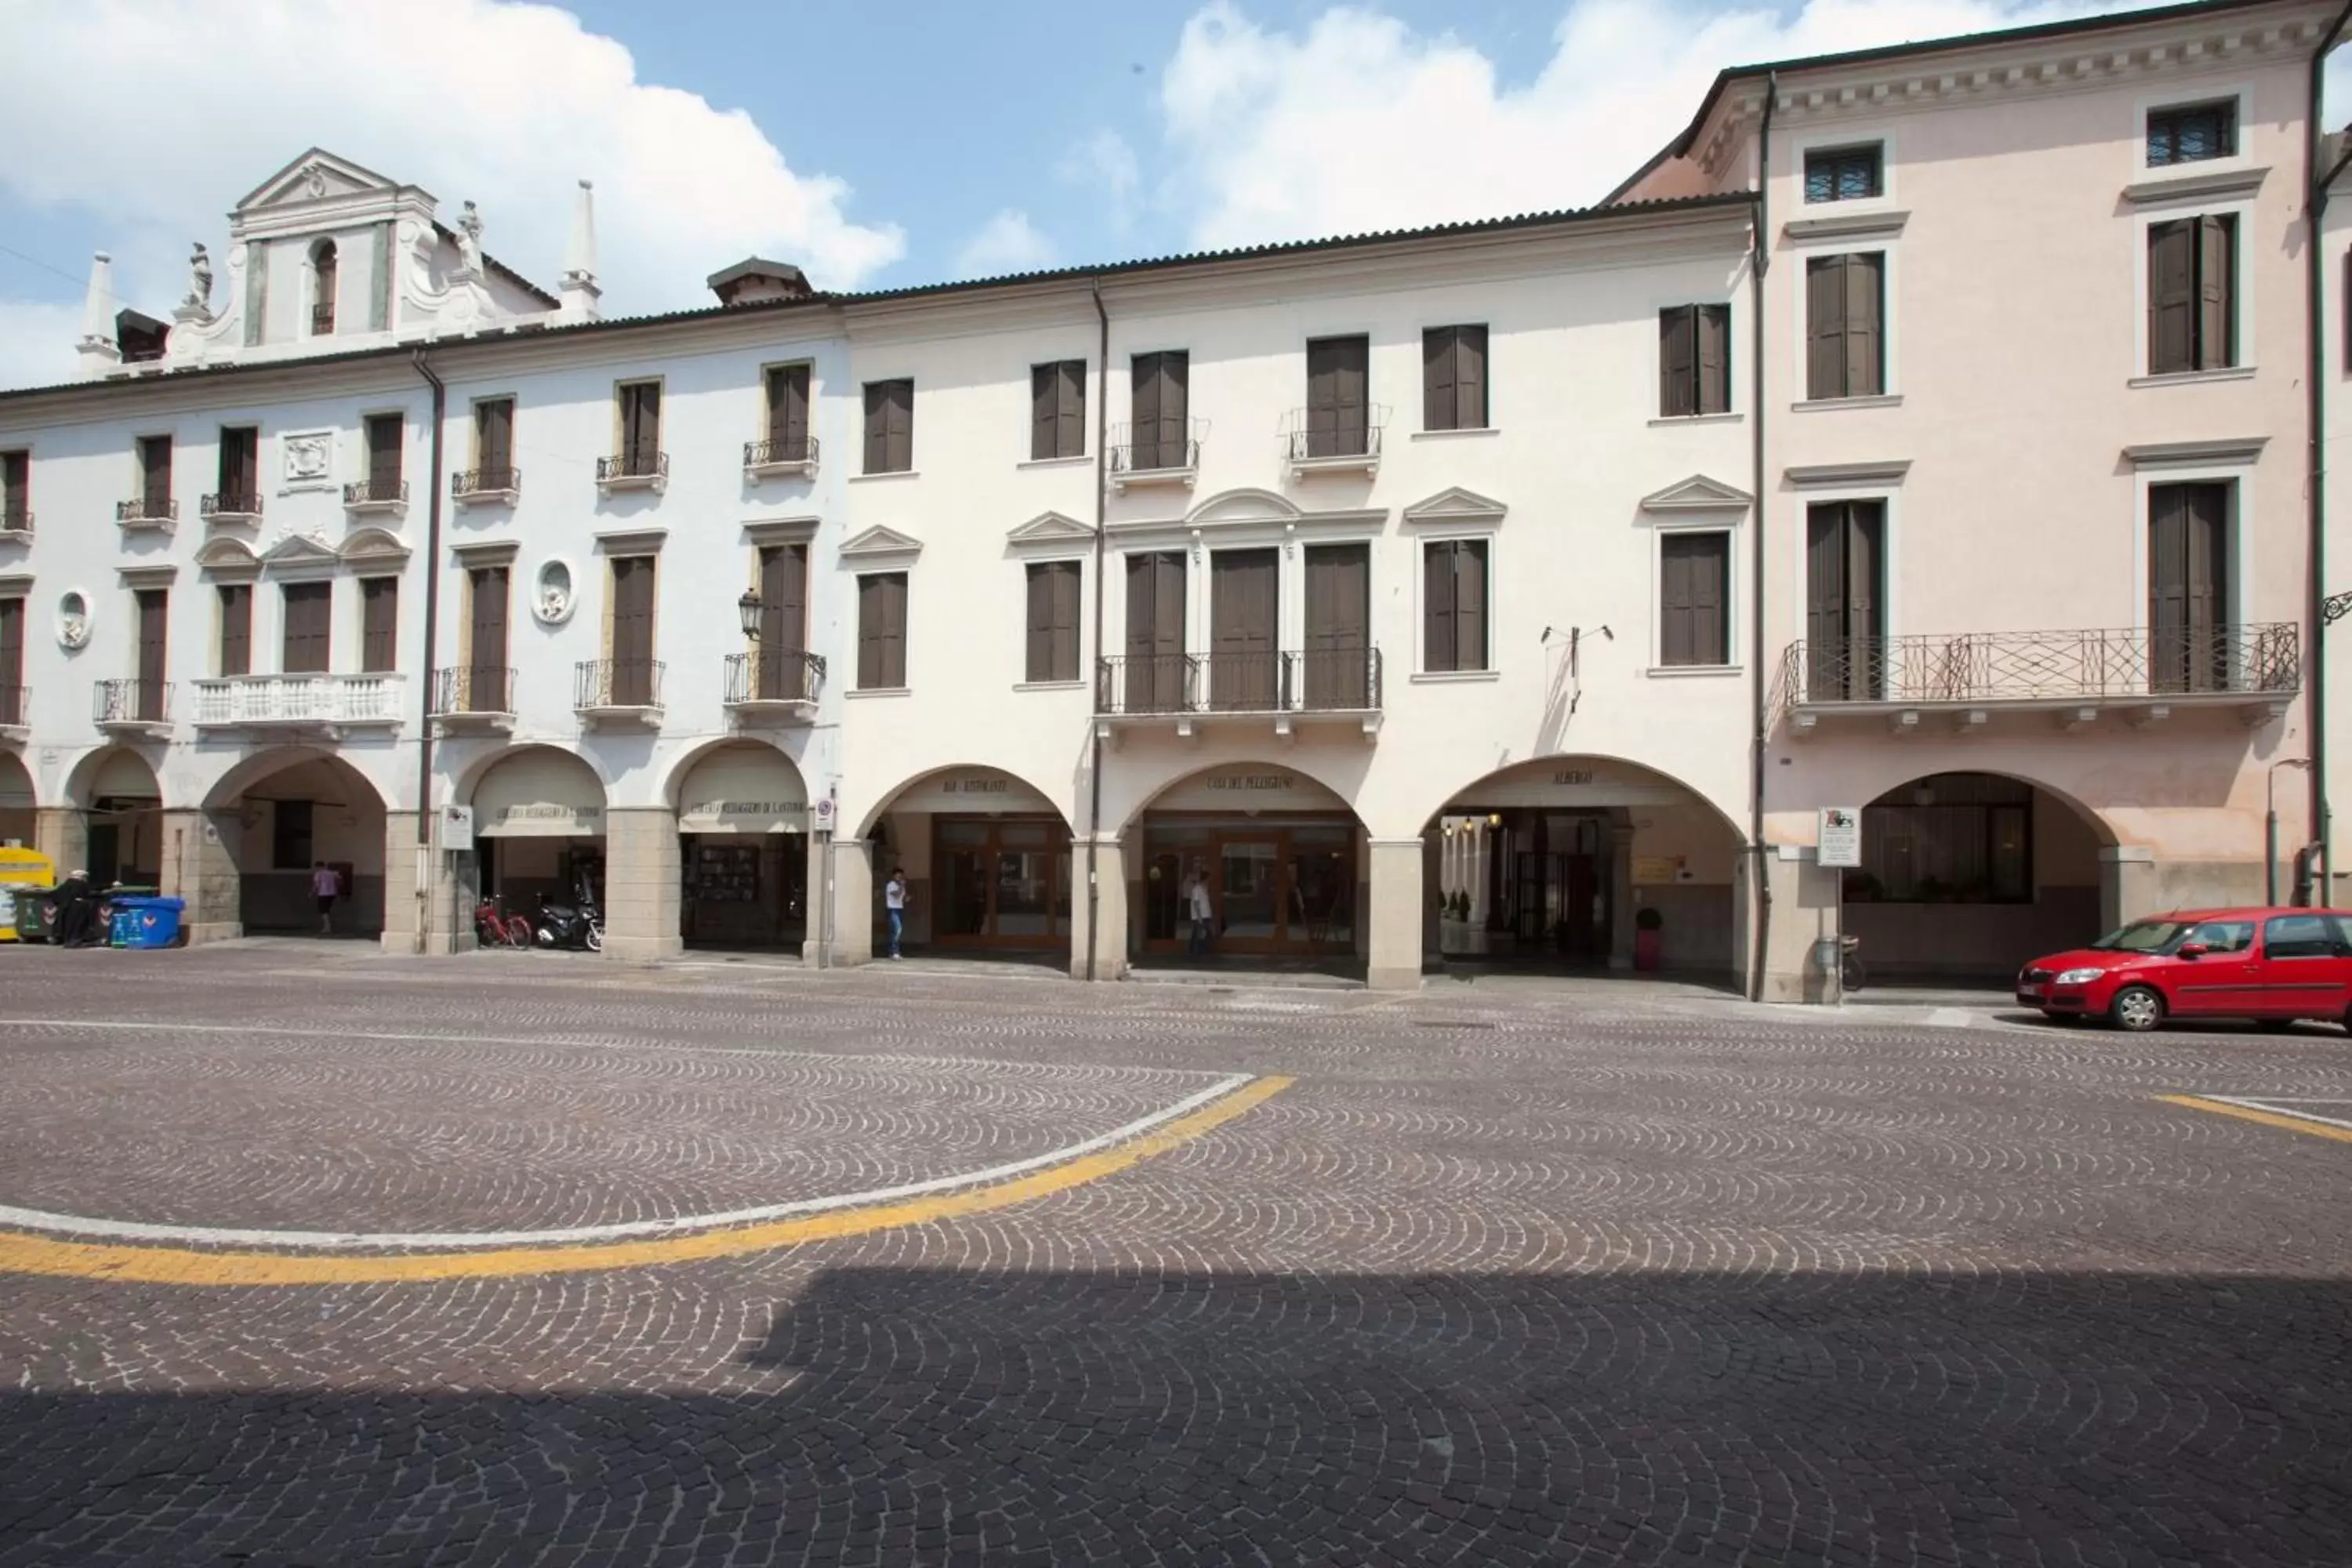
{"x": 145, "y": 921}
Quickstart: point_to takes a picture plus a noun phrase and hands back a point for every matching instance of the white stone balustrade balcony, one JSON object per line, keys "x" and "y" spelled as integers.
{"x": 322, "y": 704}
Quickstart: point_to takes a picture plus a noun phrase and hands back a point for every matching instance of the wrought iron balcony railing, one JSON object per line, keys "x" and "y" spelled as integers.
{"x": 780, "y": 452}
{"x": 15, "y": 701}
{"x": 600, "y": 684}
{"x": 325, "y": 700}
{"x": 2108, "y": 665}
{"x": 148, "y": 511}
{"x": 633, "y": 468}
{"x": 1341, "y": 437}
{"x": 1335, "y": 680}
{"x": 131, "y": 702}
{"x": 477, "y": 484}
{"x": 376, "y": 492}
{"x": 473, "y": 688}
{"x": 16, "y": 519}
{"x": 773, "y": 674}
{"x": 229, "y": 504}
{"x": 1156, "y": 451}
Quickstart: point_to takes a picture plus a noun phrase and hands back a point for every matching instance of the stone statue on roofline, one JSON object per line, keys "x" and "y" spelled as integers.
{"x": 469, "y": 241}
{"x": 200, "y": 279}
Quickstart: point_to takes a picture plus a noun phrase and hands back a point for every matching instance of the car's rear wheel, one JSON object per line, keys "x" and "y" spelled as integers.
{"x": 2135, "y": 1010}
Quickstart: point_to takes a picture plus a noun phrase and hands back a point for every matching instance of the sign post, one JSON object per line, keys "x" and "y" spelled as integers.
{"x": 1838, "y": 835}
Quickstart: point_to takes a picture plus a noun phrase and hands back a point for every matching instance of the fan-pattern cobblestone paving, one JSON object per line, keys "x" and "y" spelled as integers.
{"x": 1523, "y": 1275}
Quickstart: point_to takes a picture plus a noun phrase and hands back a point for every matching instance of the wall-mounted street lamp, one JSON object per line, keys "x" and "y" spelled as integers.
{"x": 749, "y": 607}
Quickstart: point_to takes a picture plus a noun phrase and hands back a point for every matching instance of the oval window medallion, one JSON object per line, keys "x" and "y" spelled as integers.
{"x": 552, "y": 600}
{"x": 73, "y": 619}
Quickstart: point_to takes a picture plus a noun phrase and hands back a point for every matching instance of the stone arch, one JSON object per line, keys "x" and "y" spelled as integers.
{"x": 469, "y": 777}
{"x": 1884, "y": 777}
{"x": 681, "y": 769}
{"x": 106, "y": 771}
{"x": 1607, "y": 770}
{"x": 253, "y": 770}
{"x": 978, "y": 798}
{"x": 1310, "y": 770}
{"x": 279, "y": 815}
{"x": 19, "y": 799}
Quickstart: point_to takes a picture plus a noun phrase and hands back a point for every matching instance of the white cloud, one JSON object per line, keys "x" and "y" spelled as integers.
{"x": 508, "y": 105}
{"x": 1008, "y": 242}
{"x": 1361, "y": 123}
{"x": 1105, "y": 161}
{"x": 36, "y": 342}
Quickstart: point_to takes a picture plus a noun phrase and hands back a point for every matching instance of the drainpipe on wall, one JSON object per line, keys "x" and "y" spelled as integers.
{"x": 425, "y": 820}
{"x": 2315, "y": 379}
{"x": 1760, "y": 892}
{"x": 1094, "y": 730}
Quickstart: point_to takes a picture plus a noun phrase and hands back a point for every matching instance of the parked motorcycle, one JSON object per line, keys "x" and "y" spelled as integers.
{"x": 578, "y": 925}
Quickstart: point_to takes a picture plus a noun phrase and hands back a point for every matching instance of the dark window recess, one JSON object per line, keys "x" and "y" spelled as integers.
{"x": 889, "y": 426}
{"x": 494, "y": 443}
{"x": 383, "y": 440}
{"x": 1057, "y": 409}
{"x": 2188, "y": 587}
{"x": 1950, "y": 838}
{"x": 154, "y": 623}
{"x": 1161, "y": 429}
{"x": 1454, "y": 605}
{"x": 240, "y": 468}
{"x": 1845, "y": 325}
{"x": 379, "y": 625}
{"x": 155, "y": 474}
{"x": 1338, "y": 656}
{"x": 788, "y": 413}
{"x": 1453, "y": 378}
{"x": 1693, "y": 360}
{"x": 1843, "y": 173}
{"x": 16, "y": 488}
{"x": 882, "y": 631}
{"x": 322, "y": 287}
{"x": 290, "y": 835}
{"x": 1053, "y": 620}
{"x": 236, "y": 628}
{"x": 12, "y": 661}
{"x": 2191, "y": 134}
{"x": 1156, "y": 668}
{"x": 640, "y": 427}
{"x": 308, "y": 636}
{"x": 1339, "y": 419}
{"x": 485, "y": 647}
{"x": 633, "y": 632}
{"x": 1694, "y": 612}
{"x": 1846, "y": 626}
{"x": 2193, "y": 295}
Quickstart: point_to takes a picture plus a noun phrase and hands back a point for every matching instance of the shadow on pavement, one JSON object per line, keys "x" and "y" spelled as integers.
{"x": 894, "y": 1416}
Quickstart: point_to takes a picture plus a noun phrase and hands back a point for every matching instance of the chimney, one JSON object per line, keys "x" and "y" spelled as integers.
{"x": 97, "y": 349}
{"x": 579, "y": 291}
{"x": 757, "y": 281}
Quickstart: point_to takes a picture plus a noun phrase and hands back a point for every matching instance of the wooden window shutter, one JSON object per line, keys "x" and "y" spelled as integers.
{"x": 15, "y": 481}
{"x": 1675, "y": 638}
{"x": 1067, "y": 579}
{"x": 1825, "y": 352}
{"x": 236, "y": 628}
{"x": 1044, "y": 416}
{"x": 1040, "y": 662}
{"x": 1322, "y": 399}
{"x": 1677, "y": 362}
{"x": 1865, "y": 325}
{"x": 1470, "y": 605}
{"x": 783, "y": 597}
{"x": 901, "y": 427}
{"x": 2216, "y": 292}
{"x": 877, "y": 426}
{"x": 2171, "y": 297}
{"x": 1714, "y": 359}
{"x": 12, "y": 661}
{"x": 494, "y": 439}
{"x": 383, "y": 432}
{"x": 1349, "y": 375}
{"x": 379, "y": 624}
{"x": 1070, "y": 410}
{"x": 155, "y": 465}
{"x": 1175, "y": 407}
{"x": 894, "y": 607}
{"x": 796, "y": 411}
{"x": 1437, "y": 389}
{"x": 1470, "y": 378}
{"x": 306, "y": 644}
{"x": 1865, "y": 540}
{"x": 154, "y": 646}
{"x": 882, "y": 631}
{"x": 1439, "y": 627}
{"x": 641, "y": 427}
{"x": 1711, "y": 599}
{"x": 1143, "y": 427}
{"x": 1825, "y": 634}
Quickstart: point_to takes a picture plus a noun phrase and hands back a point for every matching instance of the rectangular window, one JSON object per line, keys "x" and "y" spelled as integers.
{"x": 15, "y": 491}
{"x": 1693, "y": 360}
{"x": 1951, "y": 838}
{"x": 379, "y": 625}
{"x": 308, "y": 634}
{"x": 1157, "y": 674}
{"x": 2191, "y": 134}
{"x": 1845, "y": 325}
{"x": 1845, "y": 623}
{"x": 240, "y": 468}
{"x": 882, "y": 631}
{"x": 1339, "y": 419}
{"x": 485, "y": 675}
{"x": 1053, "y": 620}
{"x": 236, "y": 628}
{"x": 290, "y": 835}
{"x": 154, "y": 630}
{"x": 1162, "y": 430}
{"x": 155, "y": 475}
{"x": 1454, "y": 605}
{"x": 640, "y": 411}
{"x": 1453, "y": 378}
{"x": 788, "y": 413}
{"x": 1694, "y": 599}
{"x": 1057, "y": 409}
{"x": 2189, "y": 639}
{"x": 1843, "y": 173}
{"x": 494, "y": 443}
{"x": 889, "y": 426}
{"x": 632, "y": 684}
{"x": 12, "y": 661}
{"x": 384, "y": 437}
{"x": 2193, "y": 295}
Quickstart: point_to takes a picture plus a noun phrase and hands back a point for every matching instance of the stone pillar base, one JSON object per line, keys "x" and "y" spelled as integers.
{"x": 199, "y": 868}
{"x": 452, "y": 889}
{"x": 62, "y": 833}
{"x": 1396, "y": 915}
{"x": 641, "y": 884}
{"x": 1804, "y": 913}
{"x": 852, "y": 896}
{"x": 1109, "y": 910}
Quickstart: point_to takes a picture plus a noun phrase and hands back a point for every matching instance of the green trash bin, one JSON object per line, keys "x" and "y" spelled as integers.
{"x": 32, "y": 913}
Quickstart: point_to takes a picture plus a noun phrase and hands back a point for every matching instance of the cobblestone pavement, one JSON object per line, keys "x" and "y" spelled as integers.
{"x": 1512, "y": 1274}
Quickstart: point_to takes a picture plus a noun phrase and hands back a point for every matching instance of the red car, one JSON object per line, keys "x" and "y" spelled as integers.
{"x": 2271, "y": 966}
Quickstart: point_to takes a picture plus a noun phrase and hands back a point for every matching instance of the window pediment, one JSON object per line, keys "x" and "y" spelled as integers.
{"x": 1698, "y": 493}
{"x": 879, "y": 540}
{"x": 1455, "y": 504}
{"x": 1050, "y": 528}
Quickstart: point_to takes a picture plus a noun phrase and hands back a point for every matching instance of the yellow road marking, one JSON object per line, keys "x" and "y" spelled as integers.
{"x": 22, "y": 1254}
{"x": 2266, "y": 1117}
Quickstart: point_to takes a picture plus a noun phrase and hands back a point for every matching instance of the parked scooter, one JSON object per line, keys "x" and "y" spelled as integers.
{"x": 579, "y": 925}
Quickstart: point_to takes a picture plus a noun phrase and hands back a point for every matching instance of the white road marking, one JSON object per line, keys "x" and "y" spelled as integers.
{"x": 2283, "y": 1108}
{"x": 305, "y": 1240}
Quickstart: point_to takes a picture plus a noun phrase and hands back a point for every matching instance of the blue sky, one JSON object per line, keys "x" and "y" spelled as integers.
{"x": 874, "y": 145}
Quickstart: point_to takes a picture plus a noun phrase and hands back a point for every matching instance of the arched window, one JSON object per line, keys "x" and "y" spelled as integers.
{"x": 323, "y": 289}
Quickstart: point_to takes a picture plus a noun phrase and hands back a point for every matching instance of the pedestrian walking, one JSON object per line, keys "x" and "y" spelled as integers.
{"x": 894, "y": 905}
{"x": 1203, "y": 911}
{"x": 325, "y": 887}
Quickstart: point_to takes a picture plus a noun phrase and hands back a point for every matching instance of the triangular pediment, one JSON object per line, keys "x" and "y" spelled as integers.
{"x": 1240, "y": 509}
{"x": 1050, "y": 527}
{"x": 881, "y": 541}
{"x": 1697, "y": 493}
{"x": 297, "y": 550}
{"x": 373, "y": 545}
{"x": 1455, "y": 504}
{"x": 316, "y": 175}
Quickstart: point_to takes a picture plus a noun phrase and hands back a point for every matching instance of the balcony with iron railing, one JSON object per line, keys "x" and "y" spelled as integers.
{"x": 1186, "y": 688}
{"x": 133, "y": 708}
{"x": 474, "y": 698}
{"x": 147, "y": 511}
{"x": 1970, "y": 677}
{"x": 1155, "y": 457}
{"x": 1334, "y": 440}
{"x": 780, "y": 455}
{"x": 317, "y": 704}
{"x": 16, "y": 708}
{"x": 773, "y": 684}
{"x": 632, "y": 470}
{"x": 617, "y": 692}
{"x": 232, "y": 506}
{"x": 486, "y": 487}
{"x": 376, "y": 494}
{"x": 15, "y": 520}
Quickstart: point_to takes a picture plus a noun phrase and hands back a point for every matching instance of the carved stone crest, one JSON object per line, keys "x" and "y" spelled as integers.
{"x": 309, "y": 456}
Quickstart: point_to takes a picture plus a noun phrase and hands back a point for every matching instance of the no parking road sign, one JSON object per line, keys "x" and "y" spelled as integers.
{"x": 1839, "y": 834}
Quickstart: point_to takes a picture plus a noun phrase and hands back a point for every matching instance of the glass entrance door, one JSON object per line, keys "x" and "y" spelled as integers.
{"x": 1002, "y": 884}
{"x": 1250, "y": 890}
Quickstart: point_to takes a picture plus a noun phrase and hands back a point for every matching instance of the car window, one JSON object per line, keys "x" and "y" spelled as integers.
{"x": 2224, "y": 936}
{"x": 2141, "y": 936}
{"x": 2299, "y": 936}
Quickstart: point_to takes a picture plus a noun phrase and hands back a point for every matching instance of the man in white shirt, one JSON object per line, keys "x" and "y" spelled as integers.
{"x": 894, "y": 904}
{"x": 1203, "y": 912}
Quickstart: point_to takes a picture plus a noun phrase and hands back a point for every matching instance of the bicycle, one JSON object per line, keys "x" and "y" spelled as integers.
{"x": 493, "y": 927}
{"x": 1851, "y": 976}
